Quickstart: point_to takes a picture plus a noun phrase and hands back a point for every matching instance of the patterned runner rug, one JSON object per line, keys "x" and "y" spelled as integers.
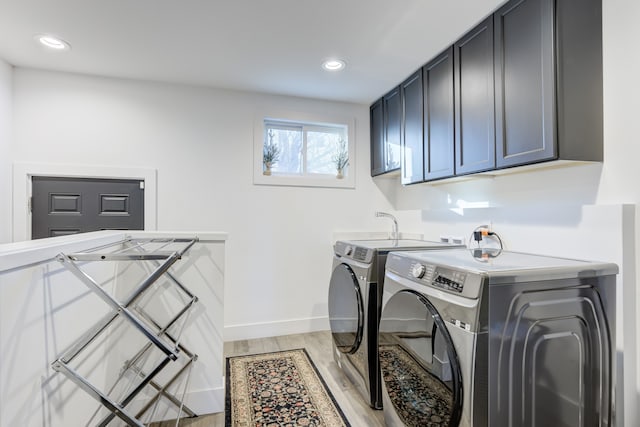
{"x": 278, "y": 389}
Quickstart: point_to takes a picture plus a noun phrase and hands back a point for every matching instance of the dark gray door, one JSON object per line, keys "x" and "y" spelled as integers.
{"x": 62, "y": 206}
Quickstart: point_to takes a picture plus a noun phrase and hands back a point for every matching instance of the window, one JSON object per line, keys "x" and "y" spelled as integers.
{"x": 303, "y": 153}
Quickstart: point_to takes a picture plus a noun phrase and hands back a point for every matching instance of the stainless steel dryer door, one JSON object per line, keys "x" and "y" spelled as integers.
{"x": 421, "y": 374}
{"x": 346, "y": 309}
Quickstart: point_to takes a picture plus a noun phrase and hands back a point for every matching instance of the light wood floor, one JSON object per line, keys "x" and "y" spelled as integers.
{"x": 318, "y": 345}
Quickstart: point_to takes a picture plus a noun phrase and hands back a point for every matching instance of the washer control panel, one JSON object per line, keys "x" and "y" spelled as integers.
{"x": 446, "y": 278}
{"x": 438, "y": 277}
{"x": 449, "y": 279}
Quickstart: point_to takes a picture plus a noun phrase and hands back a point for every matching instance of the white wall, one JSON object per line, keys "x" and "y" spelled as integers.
{"x": 200, "y": 141}
{"x": 6, "y": 73}
{"x": 622, "y": 136}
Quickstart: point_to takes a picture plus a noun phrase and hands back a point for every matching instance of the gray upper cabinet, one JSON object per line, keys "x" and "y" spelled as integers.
{"x": 548, "y": 78}
{"x": 376, "y": 121}
{"x": 412, "y": 132}
{"x": 392, "y": 108}
{"x": 386, "y": 133}
{"x": 579, "y": 84}
{"x": 437, "y": 77}
{"x": 474, "y": 99}
{"x": 524, "y": 83}
{"x": 522, "y": 87}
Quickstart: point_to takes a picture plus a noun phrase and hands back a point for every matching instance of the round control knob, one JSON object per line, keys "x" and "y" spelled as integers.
{"x": 418, "y": 270}
{"x": 348, "y": 250}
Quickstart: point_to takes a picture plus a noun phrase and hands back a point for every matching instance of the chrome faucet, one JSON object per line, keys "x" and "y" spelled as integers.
{"x": 394, "y": 234}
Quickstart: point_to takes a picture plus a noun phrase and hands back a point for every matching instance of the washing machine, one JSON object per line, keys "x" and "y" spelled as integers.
{"x": 494, "y": 338}
{"x": 355, "y": 297}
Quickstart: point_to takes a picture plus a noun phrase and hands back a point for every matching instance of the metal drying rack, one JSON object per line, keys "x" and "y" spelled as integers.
{"x": 159, "y": 336}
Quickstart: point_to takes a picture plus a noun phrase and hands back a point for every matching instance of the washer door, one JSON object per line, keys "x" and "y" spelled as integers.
{"x": 420, "y": 369}
{"x": 346, "y": 312}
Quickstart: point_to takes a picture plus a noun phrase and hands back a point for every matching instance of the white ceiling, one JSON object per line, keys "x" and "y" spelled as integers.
{"x": 273, "y": 46}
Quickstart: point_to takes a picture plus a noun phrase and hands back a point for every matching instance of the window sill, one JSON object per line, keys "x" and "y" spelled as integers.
{"x": 326, "y": 181}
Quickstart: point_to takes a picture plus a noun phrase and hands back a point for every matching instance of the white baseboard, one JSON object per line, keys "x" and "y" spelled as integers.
{"x": 277, "y": 328}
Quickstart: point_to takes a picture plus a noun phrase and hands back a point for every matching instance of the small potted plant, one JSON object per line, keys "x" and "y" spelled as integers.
{"x": 270, "y": 154}
{"x": 341, "y": 158}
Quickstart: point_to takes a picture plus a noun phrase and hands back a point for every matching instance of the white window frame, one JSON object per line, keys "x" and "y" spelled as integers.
{"x": 306, "y": 122}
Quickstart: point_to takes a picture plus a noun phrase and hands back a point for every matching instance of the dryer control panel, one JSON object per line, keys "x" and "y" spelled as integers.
{"x": 355, "y": 252}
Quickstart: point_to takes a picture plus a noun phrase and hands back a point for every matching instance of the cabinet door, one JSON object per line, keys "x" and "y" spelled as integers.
{"x": 439, "y": 117}
{"x": 475, "y": 132}
{"x": 524, "y": 83}
{"x": 376, "y": 117}
{"x": 392, "y": 109}
{"x": 412, "y": 132}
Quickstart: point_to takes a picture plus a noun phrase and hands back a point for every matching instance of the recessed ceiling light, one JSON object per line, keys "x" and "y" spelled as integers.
{"x": 333, "y": 64}
{"x": 52, "y": 42}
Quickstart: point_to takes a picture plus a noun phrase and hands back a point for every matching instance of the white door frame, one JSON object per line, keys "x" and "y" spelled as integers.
{"x": 22, "y": 173}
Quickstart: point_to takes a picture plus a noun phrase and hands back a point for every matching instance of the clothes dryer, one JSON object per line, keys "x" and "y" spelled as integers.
{"x": 355, "y": 297}
{"x": 476, "y": 338}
